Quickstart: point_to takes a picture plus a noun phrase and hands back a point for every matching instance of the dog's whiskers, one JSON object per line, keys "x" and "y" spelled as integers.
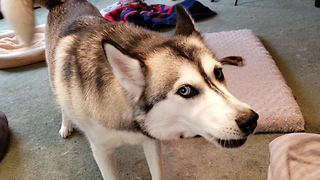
{"x": 212, "y": 139}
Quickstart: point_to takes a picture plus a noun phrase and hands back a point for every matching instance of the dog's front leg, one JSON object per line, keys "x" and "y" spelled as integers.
{"x": 152, "y": 151}
{"x": 106, "y": 163}
{"x": 66, "y": 126}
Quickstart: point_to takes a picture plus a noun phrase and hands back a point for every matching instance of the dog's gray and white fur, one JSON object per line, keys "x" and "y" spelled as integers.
{"x": 124, "y": 84}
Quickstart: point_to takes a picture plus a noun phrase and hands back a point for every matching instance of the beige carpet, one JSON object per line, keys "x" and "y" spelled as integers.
{"x": 259, "y": 82}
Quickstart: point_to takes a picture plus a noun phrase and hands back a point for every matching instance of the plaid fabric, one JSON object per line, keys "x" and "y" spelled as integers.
{"x": 156, "y": 16}
{"x": 141, "y": 10}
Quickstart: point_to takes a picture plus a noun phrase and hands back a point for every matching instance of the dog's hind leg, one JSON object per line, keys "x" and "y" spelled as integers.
{"x": 106, "y": 162}
{"x": 152, "y": 151}
{"x": 66, "y": 126}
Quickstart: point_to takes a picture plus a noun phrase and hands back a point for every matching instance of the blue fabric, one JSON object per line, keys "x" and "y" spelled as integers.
{"x": 195, "y": 8}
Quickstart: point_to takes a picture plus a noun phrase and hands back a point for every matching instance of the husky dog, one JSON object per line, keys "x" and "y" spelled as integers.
{"x": 124, "y": 84}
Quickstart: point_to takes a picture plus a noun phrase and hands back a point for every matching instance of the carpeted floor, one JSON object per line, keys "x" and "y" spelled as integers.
{"x": 288, "y": 29}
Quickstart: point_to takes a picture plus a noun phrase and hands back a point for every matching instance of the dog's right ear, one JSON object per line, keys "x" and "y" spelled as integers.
{"x": 127, "y": 70}
{"x": 185, "y": 24}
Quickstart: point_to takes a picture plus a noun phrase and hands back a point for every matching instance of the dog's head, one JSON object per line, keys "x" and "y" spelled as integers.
{"x": 181, "y": 88}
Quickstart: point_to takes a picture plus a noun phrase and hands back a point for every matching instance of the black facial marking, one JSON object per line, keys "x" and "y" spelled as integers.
{"x": 209, "y": 82}
{"x": 148, "y": 107}
{"x": 147, "y": 103}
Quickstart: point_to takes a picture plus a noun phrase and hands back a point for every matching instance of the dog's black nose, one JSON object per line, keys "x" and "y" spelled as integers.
{"x": 248, "y": 122}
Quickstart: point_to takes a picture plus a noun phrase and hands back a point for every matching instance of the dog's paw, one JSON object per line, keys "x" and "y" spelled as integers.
{"x": 65, "y": 131}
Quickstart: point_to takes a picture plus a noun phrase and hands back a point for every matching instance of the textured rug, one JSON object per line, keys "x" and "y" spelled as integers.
{"x": 259, "y": 82}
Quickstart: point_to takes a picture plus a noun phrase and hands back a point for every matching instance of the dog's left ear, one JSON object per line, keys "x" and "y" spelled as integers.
{"x": 127, "y": 70}
{"x": 185, "y": 24}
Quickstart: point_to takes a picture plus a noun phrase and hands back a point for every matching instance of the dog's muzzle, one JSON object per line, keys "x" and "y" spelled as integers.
{"x": 246, "y": 123}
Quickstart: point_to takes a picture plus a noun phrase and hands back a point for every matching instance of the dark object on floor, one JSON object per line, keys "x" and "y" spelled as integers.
{"x": 1, "y": 16}
{"x": 4, "y": 135}
{"x": 317, "y": 3}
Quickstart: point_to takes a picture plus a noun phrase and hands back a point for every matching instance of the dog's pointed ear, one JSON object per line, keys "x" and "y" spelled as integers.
{"x": 127, "y": 70}
{"x": 185, "y": 24}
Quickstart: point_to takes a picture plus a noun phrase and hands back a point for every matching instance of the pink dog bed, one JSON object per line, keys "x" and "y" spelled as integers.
{"x": 259, "y": 82}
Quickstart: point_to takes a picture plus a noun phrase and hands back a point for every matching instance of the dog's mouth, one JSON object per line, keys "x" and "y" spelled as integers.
{"x": 230, "y": 143}
{"x": 226, "y": 143}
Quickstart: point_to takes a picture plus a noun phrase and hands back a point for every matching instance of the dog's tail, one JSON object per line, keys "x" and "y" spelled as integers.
{"x": 19, "y": 13}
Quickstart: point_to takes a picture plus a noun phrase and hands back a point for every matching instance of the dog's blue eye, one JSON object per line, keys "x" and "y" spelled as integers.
{"x": 219, "y": 74}
{"x": 187, "y": 91}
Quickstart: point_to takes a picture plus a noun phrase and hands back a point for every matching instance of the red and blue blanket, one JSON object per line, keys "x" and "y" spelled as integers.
{"x": 156, "y": 16}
